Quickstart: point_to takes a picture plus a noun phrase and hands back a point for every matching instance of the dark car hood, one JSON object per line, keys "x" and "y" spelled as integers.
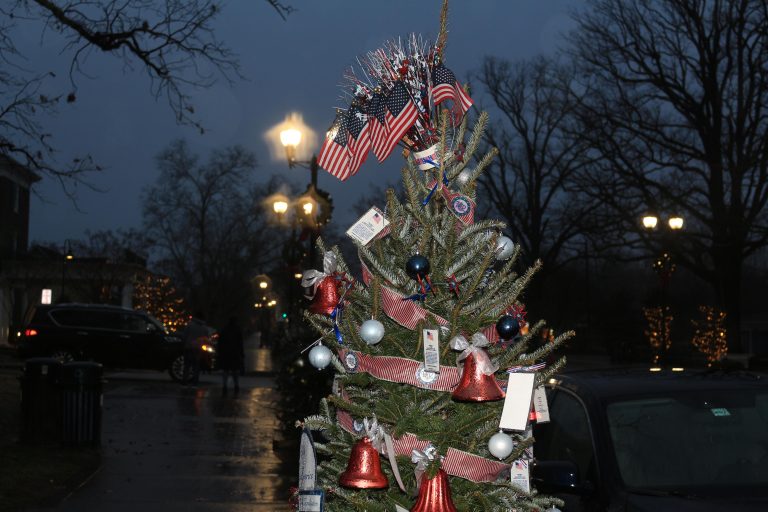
{"x": 642, "y": 503}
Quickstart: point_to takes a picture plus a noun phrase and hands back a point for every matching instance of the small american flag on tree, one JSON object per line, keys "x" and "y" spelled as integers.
{"x": 401, "y": 114}
{"x": 334, "y": 156}
{"x": 377, "y": 119}
{"x": 446, "y": 87}
{"x": 359, "y": 139}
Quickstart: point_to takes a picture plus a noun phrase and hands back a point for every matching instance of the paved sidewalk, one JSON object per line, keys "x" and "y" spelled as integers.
{"x": 170, "y": 448}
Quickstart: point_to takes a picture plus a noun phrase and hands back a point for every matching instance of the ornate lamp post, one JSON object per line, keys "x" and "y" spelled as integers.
{"x": 660, "y": 318}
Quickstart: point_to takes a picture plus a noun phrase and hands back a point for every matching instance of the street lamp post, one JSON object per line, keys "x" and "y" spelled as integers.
{"x": 68, "y": 257}
{"x": 664, "y": 266}
{"x": 315, "y": 204}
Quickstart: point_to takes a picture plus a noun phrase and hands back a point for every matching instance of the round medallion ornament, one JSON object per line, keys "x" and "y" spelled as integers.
{"x": 424, "y": 377}
{"x": 350, "y": 361}
{"x": 460, "y": 205}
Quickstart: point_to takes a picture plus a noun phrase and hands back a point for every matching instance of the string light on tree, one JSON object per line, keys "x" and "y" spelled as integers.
{"x": 659, "y": 330}
{"x": 710, "y": 337}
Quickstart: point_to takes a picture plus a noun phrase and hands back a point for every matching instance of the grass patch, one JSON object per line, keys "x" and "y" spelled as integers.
{"x": 34, "y": 475}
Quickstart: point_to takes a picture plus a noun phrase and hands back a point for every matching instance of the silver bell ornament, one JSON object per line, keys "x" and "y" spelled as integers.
{"x": 504, "y": 248}
{"x": 500, "y": 445}
{"x": 320, "y": 356}
{"x": 372, "y": 331}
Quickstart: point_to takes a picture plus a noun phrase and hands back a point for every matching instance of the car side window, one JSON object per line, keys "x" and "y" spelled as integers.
{"x": 133, "y": 323}
{"x": 567, "y": 436}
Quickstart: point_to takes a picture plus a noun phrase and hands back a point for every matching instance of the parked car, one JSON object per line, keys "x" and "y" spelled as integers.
{"x": 114, "y": 336}
{"x": 637, "y": 440}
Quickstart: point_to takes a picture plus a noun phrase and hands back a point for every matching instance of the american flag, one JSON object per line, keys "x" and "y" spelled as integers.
{"x": 446, "y": 87}
{"x": 359, "y": 139}
{"x": 377, "y": 119}
{"x": 334, "y": 156}
{"x": 401, "y": 114}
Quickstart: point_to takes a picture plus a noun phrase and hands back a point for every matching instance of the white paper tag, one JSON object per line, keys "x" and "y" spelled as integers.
{"x": 368, "y": 226}
{"x": 528, "y": 452}
{"x": 540, "y": 405}
{"x": 431, "y": 339}
{"x": 398, "y": 508}
{"x": 517, "y": 403}
{"x": 519, "y": 475}
{"x": 311, "y": 501}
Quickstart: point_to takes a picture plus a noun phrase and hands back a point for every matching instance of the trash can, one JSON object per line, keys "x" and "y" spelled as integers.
{"x": 81, "y": 392}
{"x": 40, "y": 419}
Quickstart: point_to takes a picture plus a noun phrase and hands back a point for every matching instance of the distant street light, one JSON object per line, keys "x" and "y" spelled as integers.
{"x": 660, "y": 318}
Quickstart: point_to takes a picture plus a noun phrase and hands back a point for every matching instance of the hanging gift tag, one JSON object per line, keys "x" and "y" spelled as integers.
{"x": 520, "y": 476}
{"x": 528, "y": 452}
{"x": 311, "y": 501}
{"x": 431, "y": 339}
{"x": 541, "y": 405}
{"x": 368, "y": 226}
{"x": 517, "y": 402}
{"x": 398, "y": 508}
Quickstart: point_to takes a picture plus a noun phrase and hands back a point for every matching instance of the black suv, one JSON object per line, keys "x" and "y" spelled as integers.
{"x": 112, "y": 335}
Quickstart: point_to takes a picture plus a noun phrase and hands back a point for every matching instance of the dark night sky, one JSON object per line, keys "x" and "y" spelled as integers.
{"x": 294, "y": 65}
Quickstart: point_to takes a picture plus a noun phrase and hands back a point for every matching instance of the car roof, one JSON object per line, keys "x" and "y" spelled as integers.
{"x": 91, "y": 307}
{"x": 609, "y": 384}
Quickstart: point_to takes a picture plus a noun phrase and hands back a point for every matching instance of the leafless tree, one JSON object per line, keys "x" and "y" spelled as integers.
{"x": 677, "y": 113}
{"x": 172, "y": 41}
{"x": 207, "y": 224}
{"x": 531, "y": 184}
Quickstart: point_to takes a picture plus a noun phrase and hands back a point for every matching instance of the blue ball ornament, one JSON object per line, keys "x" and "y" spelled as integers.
{"x": 417, "y": 267}
{"x": 508, "y": 327}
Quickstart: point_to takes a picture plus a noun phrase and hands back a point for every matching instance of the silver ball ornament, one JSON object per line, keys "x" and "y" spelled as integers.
{"x": 504, "y": 248}
{"x": 500, "y": 445}
{"x": 372, "y": 331}
{"x": 320, "y": 356}
{"x": 463, "y": 177}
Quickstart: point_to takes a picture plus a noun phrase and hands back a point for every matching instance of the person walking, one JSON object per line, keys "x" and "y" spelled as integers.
{"x": 230, "y": 354}
{"x": 196, "y": 334}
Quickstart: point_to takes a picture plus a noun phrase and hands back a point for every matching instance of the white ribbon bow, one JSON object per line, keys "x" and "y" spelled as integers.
{"x": 382, "y": 442}
{"x": 311, "y": 278}
{"x": 422, "y": 460}
{"x": 478, "y": 342}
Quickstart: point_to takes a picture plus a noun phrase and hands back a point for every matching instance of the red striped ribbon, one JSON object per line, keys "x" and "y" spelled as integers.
{"x": 456, "y": 462}
{"x": 402, "y": 370}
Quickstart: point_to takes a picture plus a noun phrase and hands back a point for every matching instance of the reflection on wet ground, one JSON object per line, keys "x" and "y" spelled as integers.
{"x": 170, "y": 448}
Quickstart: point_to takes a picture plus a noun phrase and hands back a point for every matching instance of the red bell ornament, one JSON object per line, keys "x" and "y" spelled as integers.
{"x": 434, "y": 495}
{"x": 478, "y": 380}
{"x": 324, "y": 286}
{"x": 364, "y": 468}
{"x": 326, "y": 296}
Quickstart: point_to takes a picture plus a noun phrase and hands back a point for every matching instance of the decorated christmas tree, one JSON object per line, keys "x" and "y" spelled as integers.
{"x": 436, "y": 368}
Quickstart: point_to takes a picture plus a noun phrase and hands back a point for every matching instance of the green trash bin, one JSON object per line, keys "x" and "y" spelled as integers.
{"x": 81, "y": 392}
{"x": 40, "y": 418}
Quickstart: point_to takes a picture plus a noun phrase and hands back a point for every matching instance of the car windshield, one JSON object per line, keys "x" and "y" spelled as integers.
{"x": 692, "y": 440}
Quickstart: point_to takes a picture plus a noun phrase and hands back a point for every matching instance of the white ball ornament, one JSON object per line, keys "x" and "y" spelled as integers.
{"x": 320, "y": 356}
{"x": 500, "y": 445}
{"x": 504, "y": 248}
{"x": 463, "y": 177}
{"x": 372, "y": 331}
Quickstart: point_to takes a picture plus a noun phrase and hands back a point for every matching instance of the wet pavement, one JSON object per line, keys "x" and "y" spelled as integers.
{"x": 171, "y": 448}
